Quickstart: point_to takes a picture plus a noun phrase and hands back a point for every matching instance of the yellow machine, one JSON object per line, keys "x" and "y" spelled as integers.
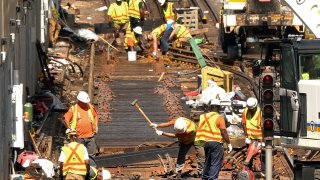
{"x": 224, "y": 79}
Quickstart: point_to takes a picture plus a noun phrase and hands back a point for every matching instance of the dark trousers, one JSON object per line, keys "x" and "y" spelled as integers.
{"x": 183, "y": 150}
{"x": 134, "y": 22}
{"x": 164, "y": 42}
{"x": 90, "y": 144}
{"x": 214, "y": 156}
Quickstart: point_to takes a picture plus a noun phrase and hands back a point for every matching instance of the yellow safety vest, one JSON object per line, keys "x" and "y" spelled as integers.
{"x": 95, "y": 171}
{"x": 305, "y": 76}
{"x": 73, "y": 123}
{"x": 208, "y": 130}
{"x": 183, "y": 32}
{"x": 159, "y": 31}
{"x": 188, "y": 136}
{"x": 134, "y": 10}
{"x": 119, "y": 14}
{"x": 168, "y": 13}
{"x": 74, "y": 159}
{"x": 129, "y": 34}
{"x": 253, "y": 124}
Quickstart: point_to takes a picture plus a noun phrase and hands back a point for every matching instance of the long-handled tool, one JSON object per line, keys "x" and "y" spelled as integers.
{"x": 135, "y": 103}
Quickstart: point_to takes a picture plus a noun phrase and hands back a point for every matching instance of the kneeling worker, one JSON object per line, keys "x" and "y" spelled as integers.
{"x": 211, "y": 134}
{"x": 133, "y": 40}
{"x": 185, "y": 132}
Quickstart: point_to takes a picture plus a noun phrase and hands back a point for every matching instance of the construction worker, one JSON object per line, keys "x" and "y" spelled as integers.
{"x": 211, "y": 134}
{"x": 54, "y": 26}
{"x": 154, "y": 36}
{"x": 133, "y": 40}
{"x": 168, "y": 10}
{"x": 118, "y": 12}
{"x": 137, "y": 12}
{"x": 83, "y": 118}
{"x": 185, "y": 132}
{"x": 74, "y": 158}
{"x": 251, "y": 120}
{"x": 175, "y": 32}
{"x": 252, "y": 126}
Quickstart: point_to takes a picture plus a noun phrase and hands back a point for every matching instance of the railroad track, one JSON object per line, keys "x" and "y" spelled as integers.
{"x": 206, "y": 6}
{"x": 187, "y": 56}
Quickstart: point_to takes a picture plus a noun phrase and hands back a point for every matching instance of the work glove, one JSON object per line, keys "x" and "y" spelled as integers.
{"x": 154, "y": 54}
{"x": 159, "y": 132}
{"x": 153, "y": 125}
{"x": 247, "y": 141}
{"x": 229, "y": 148}
{"x": 261, "y": 144}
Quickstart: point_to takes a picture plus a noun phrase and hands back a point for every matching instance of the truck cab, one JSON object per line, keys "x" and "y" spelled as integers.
{"x": 300, "y": 93}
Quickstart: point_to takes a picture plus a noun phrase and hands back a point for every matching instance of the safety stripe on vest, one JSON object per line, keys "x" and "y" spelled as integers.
{"x": 133, "y": 10}
{"x": 73, "y": 152}
{"x": 171, "y": 15}
{"x": 75, "y": 117}
{"x": 185, "y": 32}
{"x": 208, "y": 134}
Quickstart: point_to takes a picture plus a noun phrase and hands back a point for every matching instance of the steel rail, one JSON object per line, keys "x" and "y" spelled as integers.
{"x": 189, "y": 57}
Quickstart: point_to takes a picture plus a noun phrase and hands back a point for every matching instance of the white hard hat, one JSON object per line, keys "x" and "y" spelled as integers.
{"x": 252, "y": 103}
{"x": 215, "y": 102}
{"x": 180, "y": 125}
{"x": 118, "y": 0}
{"x": 170, "y": 21}
{"x": 106, "y": 175}
{"x": 161, "y": 2}
{"x": 83, "y": 97}
{"x": 137, "y": 30}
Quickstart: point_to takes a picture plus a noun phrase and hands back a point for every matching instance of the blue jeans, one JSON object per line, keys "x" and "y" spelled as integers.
{"x": 164, "y": 42}
{"x": 214, "y": 156}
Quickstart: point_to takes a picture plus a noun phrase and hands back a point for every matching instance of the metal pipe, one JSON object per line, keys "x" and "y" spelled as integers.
{"x": 269, "y": 157}
{"x": 90, "y": 88}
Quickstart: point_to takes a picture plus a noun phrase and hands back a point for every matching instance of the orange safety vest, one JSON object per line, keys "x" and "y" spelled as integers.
{"x": 159, "y": 31}
{"x": 183, "y": 32}
{"x": 74, "y": 155}
{"x": 253, "y": 124}
{"x": 208, "y": 130}
{"x": 188, "y": 136}
{"x": 73, "y": 123}
{"x": 134, "y": 10}
{"x": 168, "y": 13}
{"x": 119, "y": 14}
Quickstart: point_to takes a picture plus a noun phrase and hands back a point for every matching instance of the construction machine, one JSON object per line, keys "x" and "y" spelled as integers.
{"x": 295, "y": 80}
{"x": 245, "y": 23}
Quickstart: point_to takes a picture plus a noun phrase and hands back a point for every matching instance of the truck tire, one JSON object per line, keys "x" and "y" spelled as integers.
{"x": 226, "y": 39}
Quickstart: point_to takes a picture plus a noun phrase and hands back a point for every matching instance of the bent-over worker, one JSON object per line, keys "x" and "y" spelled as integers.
{"x": 185, "y": 132}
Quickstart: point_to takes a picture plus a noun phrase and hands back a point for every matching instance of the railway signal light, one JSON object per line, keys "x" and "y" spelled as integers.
{"x": 267, "y": 97}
